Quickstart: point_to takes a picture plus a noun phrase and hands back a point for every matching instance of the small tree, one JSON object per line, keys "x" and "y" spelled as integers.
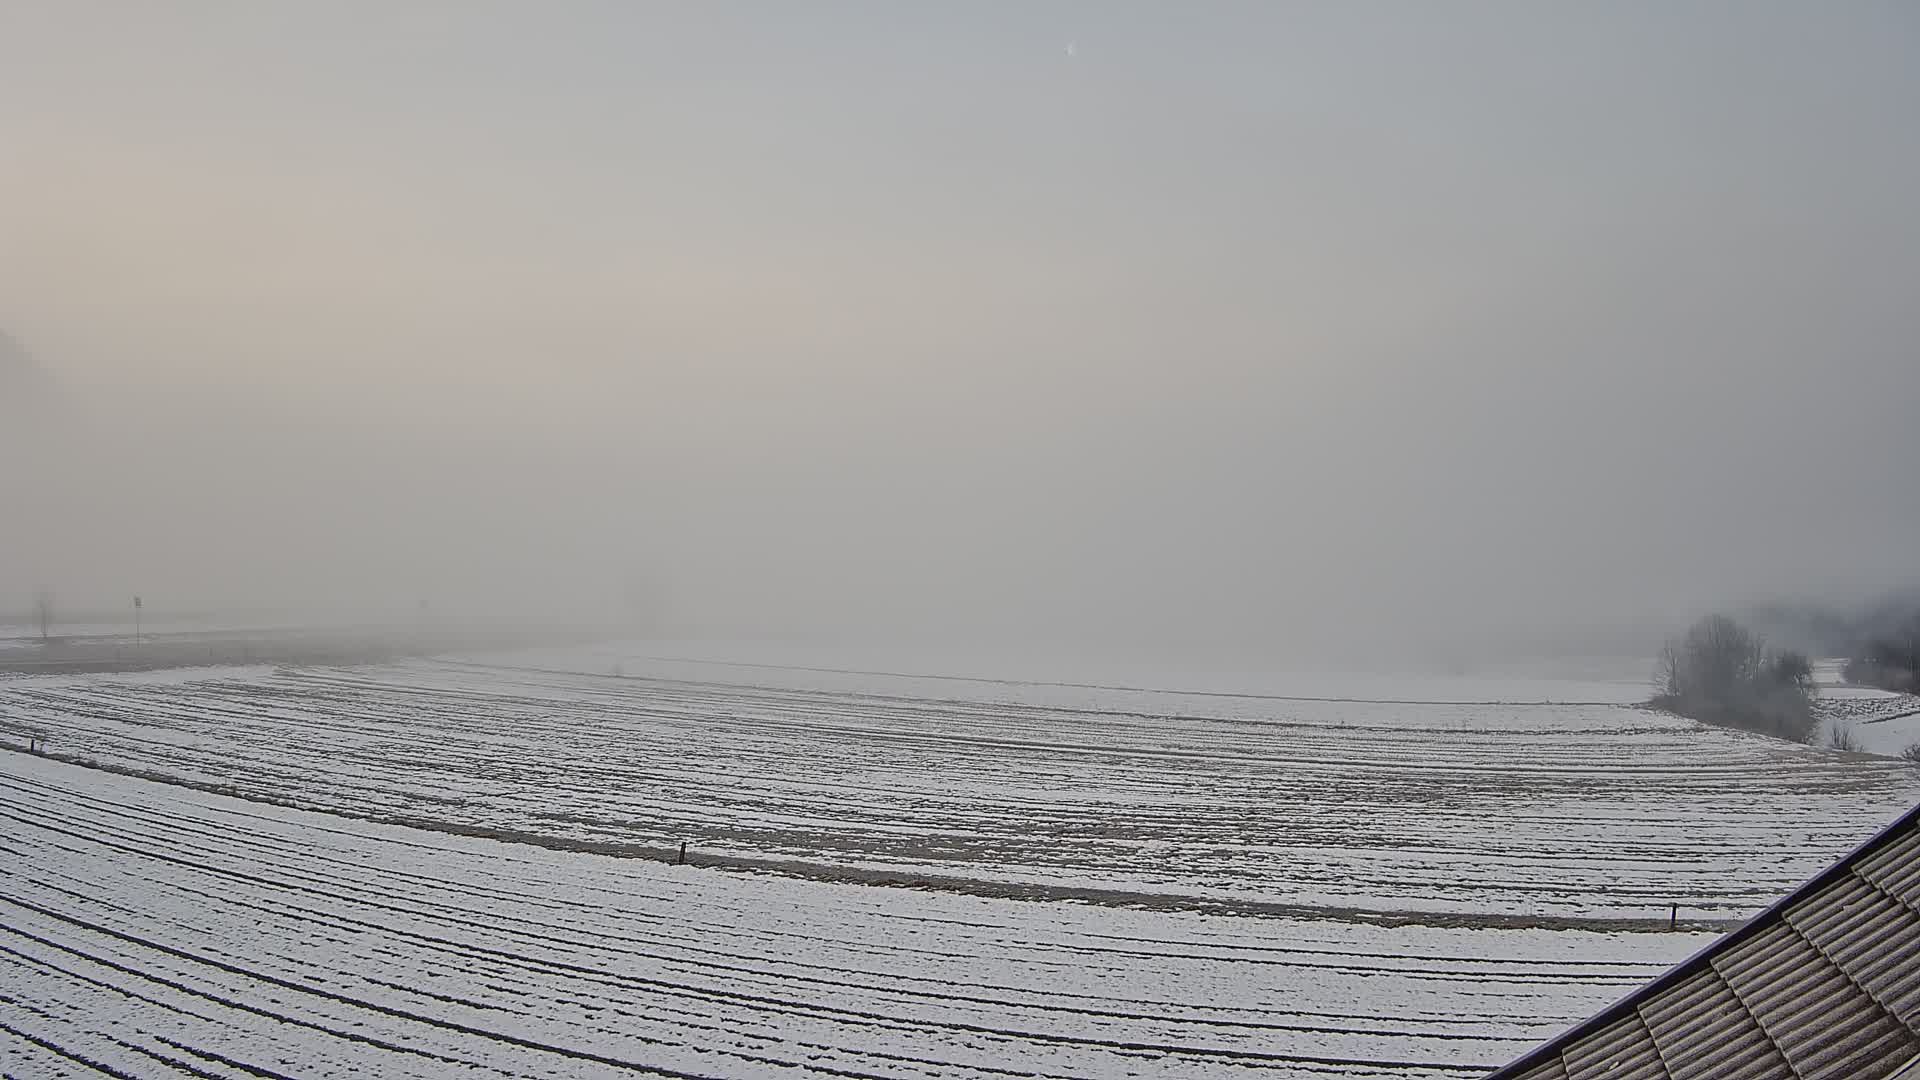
{"x": 1792, "y": 668}
{"x": 1911, "y": 755}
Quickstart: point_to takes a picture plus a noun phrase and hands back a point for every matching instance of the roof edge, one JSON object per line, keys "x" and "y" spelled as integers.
{"x": 1539, "y": 1055}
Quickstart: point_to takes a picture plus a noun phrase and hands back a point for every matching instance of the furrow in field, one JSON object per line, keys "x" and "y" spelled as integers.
{"x": 223, "y": 935}
{"x": 1523, "y": 810}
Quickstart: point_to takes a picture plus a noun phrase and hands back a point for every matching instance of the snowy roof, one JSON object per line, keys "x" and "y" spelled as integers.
{"x": 1824, "y": 984}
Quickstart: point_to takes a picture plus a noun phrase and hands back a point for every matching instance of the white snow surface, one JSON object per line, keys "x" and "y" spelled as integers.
{"x": 1880, "y": 722}
{"x": 154, "y": 930}
{"x": 149, "y": 930}
{"x": 1053, "y": 676}
{"x": 1504, "y": 806}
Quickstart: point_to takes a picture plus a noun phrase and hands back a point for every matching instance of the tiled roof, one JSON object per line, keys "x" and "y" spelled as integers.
{"x": 1824, "y": 985}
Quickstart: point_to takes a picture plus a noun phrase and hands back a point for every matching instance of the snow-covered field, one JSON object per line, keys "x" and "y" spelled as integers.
{"x": 1880, "y": 721}
{"x": 1188, "y": 874}
{"x": 1497, "y": 809}
{"x": 148, "y": 930}
{"x": 1055, "y": 677}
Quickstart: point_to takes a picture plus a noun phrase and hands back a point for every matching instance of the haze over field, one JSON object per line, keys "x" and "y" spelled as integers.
{"x": 1328, "y": 330}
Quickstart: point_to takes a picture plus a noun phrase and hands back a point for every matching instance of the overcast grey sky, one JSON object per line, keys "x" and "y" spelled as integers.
{"x": 1250, "y": 322}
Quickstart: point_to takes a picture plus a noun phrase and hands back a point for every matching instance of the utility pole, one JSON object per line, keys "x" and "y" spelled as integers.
{"x": 136, "y": 620}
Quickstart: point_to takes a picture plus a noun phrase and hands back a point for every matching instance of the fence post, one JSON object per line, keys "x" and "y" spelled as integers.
{"x": 1673, "y": 917}
{"x": 682, "y": 860}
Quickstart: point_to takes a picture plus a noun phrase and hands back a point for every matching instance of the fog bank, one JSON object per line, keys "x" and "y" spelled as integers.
{"x": 1295, "y": 330}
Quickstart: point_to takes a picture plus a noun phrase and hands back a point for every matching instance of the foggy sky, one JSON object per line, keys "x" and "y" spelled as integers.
{"x": 1302, "y": 325}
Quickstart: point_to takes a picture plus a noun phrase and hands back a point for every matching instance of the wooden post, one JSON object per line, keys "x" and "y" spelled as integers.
{"x": 1673, "y": 917}
{"x": 682, "y": 860}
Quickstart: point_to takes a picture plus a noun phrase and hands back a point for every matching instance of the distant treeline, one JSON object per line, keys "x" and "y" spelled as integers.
{"x": 1880, "y": 640}
{"x": 1890, "y": 661}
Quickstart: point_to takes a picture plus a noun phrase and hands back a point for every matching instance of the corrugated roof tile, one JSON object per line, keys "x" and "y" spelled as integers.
{"x": 1872, "y": 936}
{"x": 1824, "y": 1023}
{"x": 1888, "y": 1047}
{"x": 1895, "y": 867}
{"x": 1704, "y": 1033}
{"x": 1622, "y": 1050}
{"x": 1547, "y": 1070}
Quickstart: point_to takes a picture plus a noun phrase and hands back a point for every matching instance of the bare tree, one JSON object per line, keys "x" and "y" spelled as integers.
{"x": 1713, "y": 660}
{"x": 1668, "y": 672}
